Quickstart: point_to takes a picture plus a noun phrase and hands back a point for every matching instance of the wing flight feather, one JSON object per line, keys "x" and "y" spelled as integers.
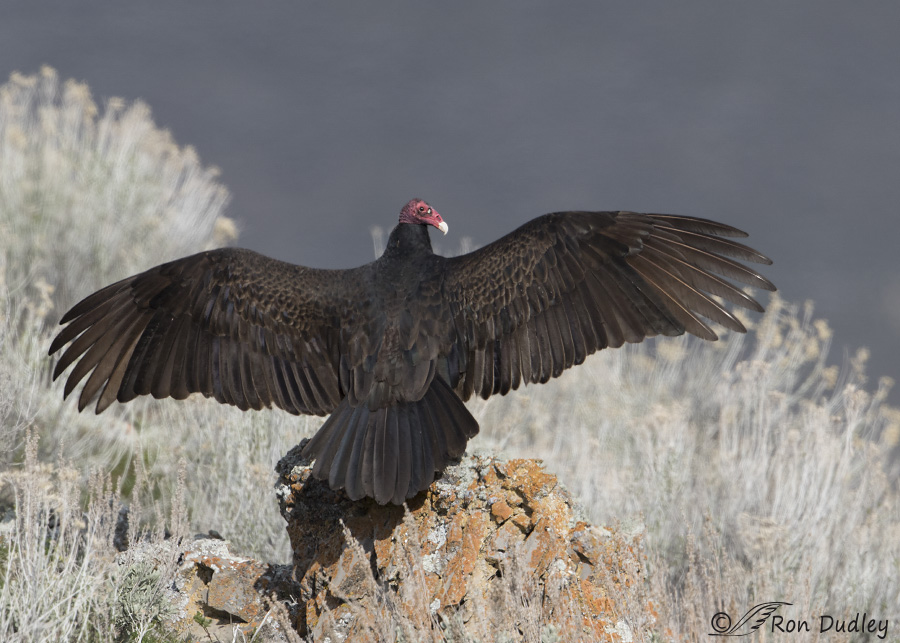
{"x": 567, "y": 284}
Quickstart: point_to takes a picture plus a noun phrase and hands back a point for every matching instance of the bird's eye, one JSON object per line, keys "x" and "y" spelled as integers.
{"x": 421, "y": 208}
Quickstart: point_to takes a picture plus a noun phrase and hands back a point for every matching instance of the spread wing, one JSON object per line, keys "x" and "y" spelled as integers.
{"x": 567, "y": 284}
{"x": 231, "y": 324}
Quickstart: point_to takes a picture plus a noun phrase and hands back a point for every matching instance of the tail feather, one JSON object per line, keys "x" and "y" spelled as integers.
{"x": 404, "y": 460}
{"x": 326, "y": 443}
{"x": 387, "y": 456}
{"x": 338, "y": 468}
{"x": 350, "y": 468}
{"x": 458, "y": 415}
{"x": 419, "y": 463}
{"x": 391, "y": 453}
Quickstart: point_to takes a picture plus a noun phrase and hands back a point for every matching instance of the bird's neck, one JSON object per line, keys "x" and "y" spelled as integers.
{"x": 408, "y": 240}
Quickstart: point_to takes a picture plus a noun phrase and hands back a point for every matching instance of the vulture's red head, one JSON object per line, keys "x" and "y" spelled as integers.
{"x": 417, "y": 211}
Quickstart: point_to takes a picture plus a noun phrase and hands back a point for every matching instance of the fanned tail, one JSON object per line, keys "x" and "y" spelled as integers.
{"x": 391, "y": 453}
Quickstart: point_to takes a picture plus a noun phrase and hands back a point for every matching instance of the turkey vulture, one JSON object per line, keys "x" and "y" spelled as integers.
{"x": 392, "y": 349}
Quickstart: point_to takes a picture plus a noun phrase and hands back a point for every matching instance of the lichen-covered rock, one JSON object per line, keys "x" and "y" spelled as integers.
{"x": 216, "y": 591}
{"x": 494, "y": 541}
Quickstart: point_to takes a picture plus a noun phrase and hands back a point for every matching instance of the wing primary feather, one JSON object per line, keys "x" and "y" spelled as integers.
{"x": 118, "y": 339}
{"x": 94, "y": 300}
{"x": 720, "y": 246}
{"x": 691, "y": 322}
{"x": 696, "y": 224}
{"x": 722, "y": 266}
{"x": 148, "y": 350}
{"x": 690, "y": 297}
{"x": 137, "y": 364}
{"x": 86, "y": 340}
{"x": 701, "y": 279}
{"x": 644, "y": 311}
{"x": 93, "y": 356}
{"x": 113, "y": 387}
{"x": 85, "y": 321}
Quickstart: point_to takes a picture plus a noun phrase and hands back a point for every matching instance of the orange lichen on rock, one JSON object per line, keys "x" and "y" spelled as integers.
{"x": 501, "y": 511}
{"x": 483, "y": 527}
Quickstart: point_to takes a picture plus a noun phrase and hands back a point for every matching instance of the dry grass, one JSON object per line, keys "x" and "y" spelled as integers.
{"x": 756, "y": 469}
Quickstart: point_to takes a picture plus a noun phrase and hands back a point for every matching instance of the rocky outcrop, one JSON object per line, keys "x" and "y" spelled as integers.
{"x": 492, "y": 546}
{"x": 494, "y": 550}
{"x": 216, "y": 591}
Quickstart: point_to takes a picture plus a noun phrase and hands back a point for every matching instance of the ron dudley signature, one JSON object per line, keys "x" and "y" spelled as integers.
{"x": 756, "y": 617}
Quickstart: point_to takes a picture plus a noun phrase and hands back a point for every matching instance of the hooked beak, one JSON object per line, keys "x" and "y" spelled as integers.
{"x": 432, "y": 217}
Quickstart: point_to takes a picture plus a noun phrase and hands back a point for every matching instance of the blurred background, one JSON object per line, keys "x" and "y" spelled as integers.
{"x": 325, "y": 118}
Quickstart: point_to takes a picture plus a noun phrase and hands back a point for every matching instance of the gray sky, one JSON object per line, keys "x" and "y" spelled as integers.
{"x": 782, "y": 119}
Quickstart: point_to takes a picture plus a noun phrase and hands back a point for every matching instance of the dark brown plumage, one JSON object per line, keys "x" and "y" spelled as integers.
{"x": 393, "y": 348}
